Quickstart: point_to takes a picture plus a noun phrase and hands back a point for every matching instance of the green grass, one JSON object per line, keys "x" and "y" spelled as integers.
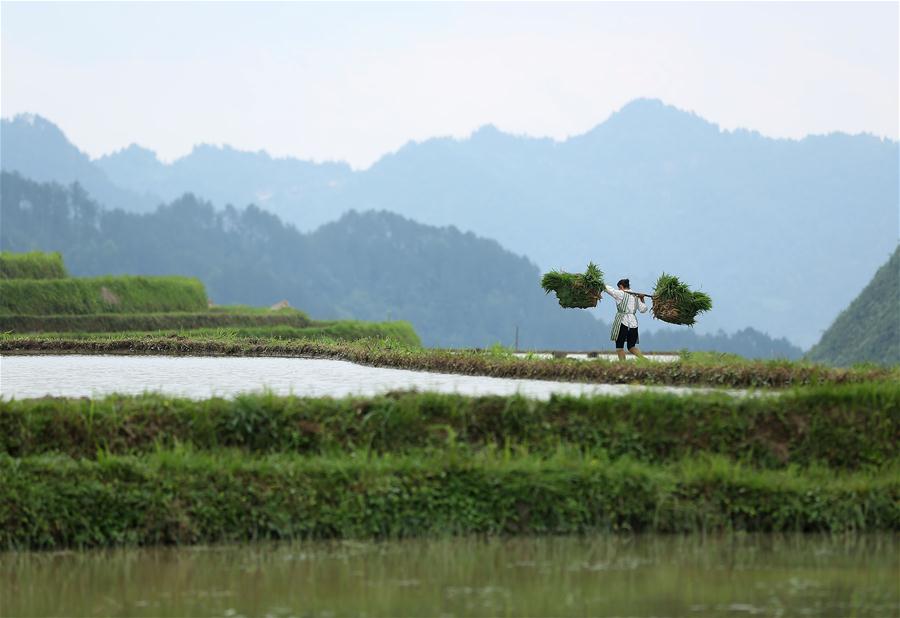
{"x": 251, "y": 310}
{"x": 124, "y": 294}
{"x": 34, "y": 265}
{"x": 343, "y": 330}
{"x": 181, "y": 496}
{"x": 261, "y": 328}
{"x": 849, "y": 426}
{"x": 387, "y": 352}
{"x": 144, "y": 322}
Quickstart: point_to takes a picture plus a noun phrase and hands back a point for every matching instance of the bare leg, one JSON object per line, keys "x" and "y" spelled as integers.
{"x": 621, "y": 353}
{"x": 636, "y": 351}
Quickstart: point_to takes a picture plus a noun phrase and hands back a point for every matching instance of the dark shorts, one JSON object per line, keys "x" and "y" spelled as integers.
{"x": 627, "y": 334}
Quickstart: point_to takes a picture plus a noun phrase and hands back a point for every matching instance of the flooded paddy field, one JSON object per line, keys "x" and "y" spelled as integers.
{"x": 644, "y": 575}
{"x": 203, "y": 377}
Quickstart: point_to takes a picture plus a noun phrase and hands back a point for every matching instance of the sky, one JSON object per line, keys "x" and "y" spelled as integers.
{"x": 352, "y": 82}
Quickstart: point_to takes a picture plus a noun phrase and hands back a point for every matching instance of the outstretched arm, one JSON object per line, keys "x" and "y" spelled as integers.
{"x": 642, "y": 306}
{"x": 615, "y": 293}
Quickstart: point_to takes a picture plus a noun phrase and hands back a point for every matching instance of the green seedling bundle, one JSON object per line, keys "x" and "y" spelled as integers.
{"x": 675, "y": 303}
{"x": 575, "y": 290}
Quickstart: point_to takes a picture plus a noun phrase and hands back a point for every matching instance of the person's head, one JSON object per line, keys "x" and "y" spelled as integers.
{"x": 624, "y": 284}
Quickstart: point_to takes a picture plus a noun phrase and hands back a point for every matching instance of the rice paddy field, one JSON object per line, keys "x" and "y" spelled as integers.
{"x": 814, "y": 451}
{"x": 396, "y": 345}
{"x": 783, "y": 501}
{"x": 762, "y": 450}
{"x": 149, "y": 469}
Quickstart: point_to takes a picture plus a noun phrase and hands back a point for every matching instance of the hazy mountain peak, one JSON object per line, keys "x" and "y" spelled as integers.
{"x": 134, "y": 153}
{"x": 38, "y": 149}
{"x": 35, "y": 125}
{"x": 32, "y": 120}
{"x": 649, "y": 116}
{"x": 486, "y": 131}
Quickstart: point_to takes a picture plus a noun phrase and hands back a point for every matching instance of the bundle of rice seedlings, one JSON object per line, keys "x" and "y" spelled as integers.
{"x": 575, "y": 290}
{"x": 675, "y": 303}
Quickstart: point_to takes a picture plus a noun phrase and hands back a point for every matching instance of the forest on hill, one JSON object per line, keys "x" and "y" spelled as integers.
{"x": 458, "y": 290}
{"x": 868, "y": 331}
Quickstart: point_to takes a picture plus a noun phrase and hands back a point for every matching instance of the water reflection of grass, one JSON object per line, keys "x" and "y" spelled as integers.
{"x": 634, "y": 575}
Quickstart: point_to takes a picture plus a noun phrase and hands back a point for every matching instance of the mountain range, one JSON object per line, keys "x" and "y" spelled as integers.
{"x": 782, "y": 234}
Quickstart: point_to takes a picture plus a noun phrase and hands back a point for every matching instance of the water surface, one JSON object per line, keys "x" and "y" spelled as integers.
{"x": 203, "y": 377}
{"x": 642, "y": 576}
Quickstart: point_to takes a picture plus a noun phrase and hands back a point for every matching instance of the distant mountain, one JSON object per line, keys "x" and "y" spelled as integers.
{"x": 772, "y": 229}
{"x": 766, "y": 227}
{"x": 457, "y": 289}
{"x": 36, "y": 148}
{"x": 229, "y": 176}
{"x": 868, "y": 331}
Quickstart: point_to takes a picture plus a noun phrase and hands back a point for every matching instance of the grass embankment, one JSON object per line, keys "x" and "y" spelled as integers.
{"x": 34, "y": 265}
{"x": 150, "y": 469}
{"x": 847, "y": 427}
{"x": 78, "y": 325}
{"x": 81, "y": 296}
{"x": 188, "y": 497}
{"x": 705, "y": 370}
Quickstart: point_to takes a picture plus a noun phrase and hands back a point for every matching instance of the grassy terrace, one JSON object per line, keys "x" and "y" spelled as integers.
{"x": 145, "y": 322}
{"x": 93, "y": 295}
{"x": 152, "y": 469}
{"x": 34, "y": 265}
{"x": 182, "y": 496}
{"x": 848, "y": 427}
{"x": 692, "y": 369}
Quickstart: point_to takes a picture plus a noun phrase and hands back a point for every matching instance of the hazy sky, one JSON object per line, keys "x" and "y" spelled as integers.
{"x": 354, "y": 81}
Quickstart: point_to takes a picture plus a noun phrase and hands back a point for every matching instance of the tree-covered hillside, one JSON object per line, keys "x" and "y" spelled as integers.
{"x": 868, "y": 331}
{"x": 457, "y": 289}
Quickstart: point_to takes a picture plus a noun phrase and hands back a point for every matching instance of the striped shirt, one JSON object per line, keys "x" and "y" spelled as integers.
{"x": 627, "y": 305}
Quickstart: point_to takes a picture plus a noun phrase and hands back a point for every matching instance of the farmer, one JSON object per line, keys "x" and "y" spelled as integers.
{"x": 625, "y": 326}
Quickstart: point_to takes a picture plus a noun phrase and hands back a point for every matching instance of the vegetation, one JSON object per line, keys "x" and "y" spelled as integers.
{"x": 868, "y": 331}
{"x": 94, "y": 295}
{"x": 153, "y": 469}
{"x": 33, "y": 265}
{"x": 675, "y": 303}
{"x": 846, "y": 427}
{"x": 372, "y": 266}
{"x": 696, "y": 369}
{"x": 401, "y": 333}
{"x": 142, "y": 322}
{"x": 182, "y": 496}
{"x": 575, "y": 291}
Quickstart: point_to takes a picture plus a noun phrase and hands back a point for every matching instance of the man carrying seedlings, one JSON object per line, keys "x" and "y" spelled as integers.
{"x": 625, "y": 326}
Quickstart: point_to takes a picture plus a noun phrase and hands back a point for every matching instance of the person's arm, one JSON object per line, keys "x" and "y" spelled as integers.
{"x": 642, "y": 306}
{"x": 615, "y": 293}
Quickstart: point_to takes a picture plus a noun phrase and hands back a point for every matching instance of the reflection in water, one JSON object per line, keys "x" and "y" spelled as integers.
{"x": 741, "y": 575}
{"x": 204, "y": 377}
